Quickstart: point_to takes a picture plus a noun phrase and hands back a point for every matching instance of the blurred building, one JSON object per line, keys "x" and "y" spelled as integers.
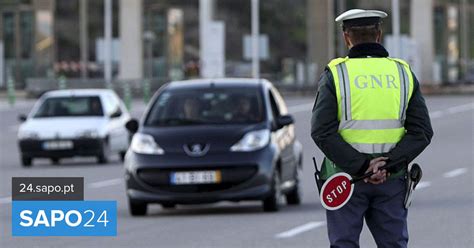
{"x": 436, "y": 36}
{"x": 159, "y": 39}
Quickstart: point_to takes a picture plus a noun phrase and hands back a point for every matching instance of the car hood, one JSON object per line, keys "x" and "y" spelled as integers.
{"x": 63, "y": 127}
{"x": 219, "y": 138}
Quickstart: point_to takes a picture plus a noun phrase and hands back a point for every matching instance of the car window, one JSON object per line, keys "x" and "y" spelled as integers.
{"x": 70, "y": 106}
{"x": 283, "y": 110}
{"x": 113, "y": 105}
{"x": 118, "y": 110}
{"x": 274, "y": 106}
{"x": 108, "y": 104}
{"x": 206, "y": 106}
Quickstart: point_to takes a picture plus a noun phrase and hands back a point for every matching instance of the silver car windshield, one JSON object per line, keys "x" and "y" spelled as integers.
{"x": 70, "y": 107}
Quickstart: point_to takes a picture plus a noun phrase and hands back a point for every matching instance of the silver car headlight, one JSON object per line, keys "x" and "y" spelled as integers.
{"x": 28, "y": 135}
{"x": 145, "y": 144}
{"x": 92, "y": 133}
{"x": 252, "y": 141}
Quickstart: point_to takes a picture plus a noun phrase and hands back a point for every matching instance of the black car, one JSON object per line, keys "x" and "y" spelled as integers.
{"x": 210, "y": 140}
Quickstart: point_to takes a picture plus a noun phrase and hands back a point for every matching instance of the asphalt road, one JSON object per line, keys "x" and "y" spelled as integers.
{"x": 442, "y": 213}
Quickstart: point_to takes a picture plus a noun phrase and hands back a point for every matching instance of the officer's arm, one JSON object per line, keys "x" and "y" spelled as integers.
{"x": 418, "y": 128}
{"x": 324, "y": 126}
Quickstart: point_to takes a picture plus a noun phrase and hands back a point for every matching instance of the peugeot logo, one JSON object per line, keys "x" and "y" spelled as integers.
{"x": 196, "y": 150}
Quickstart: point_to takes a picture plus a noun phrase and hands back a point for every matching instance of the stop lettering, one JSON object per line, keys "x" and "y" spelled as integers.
{"x": 336, "y": 191}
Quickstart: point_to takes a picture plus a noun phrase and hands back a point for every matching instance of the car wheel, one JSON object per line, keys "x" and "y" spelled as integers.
{"x": 55, "y": 161}
{"x": 137, "y": 208}
{"x": 168, "y": 205}
{"x": 26, "y": 161}
{"x": 104, "y": 156}
{"x": 272, "y": 203}
{"x": 295, "y": 195}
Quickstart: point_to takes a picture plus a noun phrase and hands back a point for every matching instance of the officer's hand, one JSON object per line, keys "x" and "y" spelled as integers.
{"x": 379, "y": 176}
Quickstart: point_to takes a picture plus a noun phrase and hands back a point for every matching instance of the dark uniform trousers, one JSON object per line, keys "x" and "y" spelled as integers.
{"x": 382, "y": 206}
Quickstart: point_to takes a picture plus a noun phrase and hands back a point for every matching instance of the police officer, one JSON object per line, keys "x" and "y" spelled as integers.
{"x": 369, "y": 111}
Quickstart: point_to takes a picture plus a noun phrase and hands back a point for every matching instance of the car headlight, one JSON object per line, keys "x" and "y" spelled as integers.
{"x": 252, "y": 141}
{"x": 89, "y": 134}
{"x": 28, "y": 135}
{"x": 145, "y": 144}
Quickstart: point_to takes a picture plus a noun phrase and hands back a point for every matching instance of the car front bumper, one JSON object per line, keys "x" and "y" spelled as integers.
{"x": 245, "y": 176}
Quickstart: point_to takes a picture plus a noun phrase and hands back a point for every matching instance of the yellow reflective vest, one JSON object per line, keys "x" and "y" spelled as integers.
{"x": 372, "y": 98}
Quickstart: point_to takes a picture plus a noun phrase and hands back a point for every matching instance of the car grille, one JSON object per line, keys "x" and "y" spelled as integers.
{"x": 231, "y": 177}
{"x": 80, "y": 145}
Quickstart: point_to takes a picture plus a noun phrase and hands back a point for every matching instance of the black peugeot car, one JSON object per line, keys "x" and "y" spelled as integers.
{"x": 210, "y": 140}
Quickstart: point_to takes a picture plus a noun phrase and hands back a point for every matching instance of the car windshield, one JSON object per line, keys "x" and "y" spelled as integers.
{"x": 70, "y": 107}
{"x": 206, "y": 106}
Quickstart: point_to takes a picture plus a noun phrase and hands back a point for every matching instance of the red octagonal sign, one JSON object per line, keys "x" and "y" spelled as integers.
{"x": 336, "y": 191}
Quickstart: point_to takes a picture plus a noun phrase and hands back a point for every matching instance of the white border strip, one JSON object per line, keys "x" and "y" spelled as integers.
{"x": 106, "y": 183}
{"x": 455, "y": 172}
{"x": 422, "y": 185}
{"x": 300, "y": 108}
{"x": 300, "y": 229}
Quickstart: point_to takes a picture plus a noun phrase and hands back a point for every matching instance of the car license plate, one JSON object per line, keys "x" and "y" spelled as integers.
{"x": 195, "y": 177}
{"x": 58, "y": 145}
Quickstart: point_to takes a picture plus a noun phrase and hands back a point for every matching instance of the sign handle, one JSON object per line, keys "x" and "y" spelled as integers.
{"x": 370, "y": 173}
{"x": 317, "y": 176}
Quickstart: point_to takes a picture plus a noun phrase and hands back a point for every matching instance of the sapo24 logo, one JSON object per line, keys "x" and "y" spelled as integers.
{"x": 64, "y": 218}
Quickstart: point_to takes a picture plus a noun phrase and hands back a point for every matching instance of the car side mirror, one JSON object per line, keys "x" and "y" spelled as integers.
{"x": 22, "y": 118}
{"x": 284, "y": 120}
{"x": 116, "y": 114}
{"x": 132, "y": 126}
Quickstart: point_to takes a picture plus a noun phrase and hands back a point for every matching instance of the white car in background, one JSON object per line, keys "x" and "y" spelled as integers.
{"x": 70, "y": 123}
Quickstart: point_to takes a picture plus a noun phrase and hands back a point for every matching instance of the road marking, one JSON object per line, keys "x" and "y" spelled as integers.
{"x": 5, "y": 200}
{"x": 455, "y": 173}
{"x": 423, "y": 184}
{"x": 461, "y": 108}
{"x": 300, "y": 108}
{"x": 436, "y": 114}
{"x": 300, "y": 229}
{"x": 452, "y": 110}
{"x": 106, "y": 183}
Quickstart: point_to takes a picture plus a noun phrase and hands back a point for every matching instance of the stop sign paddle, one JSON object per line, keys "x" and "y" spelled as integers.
{"x": 338, "y": 189}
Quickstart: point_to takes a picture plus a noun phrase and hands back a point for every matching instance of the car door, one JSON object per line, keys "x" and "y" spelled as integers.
{"x": 283, "y": 136}
{"x": 124, "y": 140}
{"x": 291, "y": 161}
{"x": 117, "y": 117}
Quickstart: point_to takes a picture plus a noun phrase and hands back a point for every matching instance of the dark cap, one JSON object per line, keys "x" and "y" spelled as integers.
{"x": 367, "y": 21}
